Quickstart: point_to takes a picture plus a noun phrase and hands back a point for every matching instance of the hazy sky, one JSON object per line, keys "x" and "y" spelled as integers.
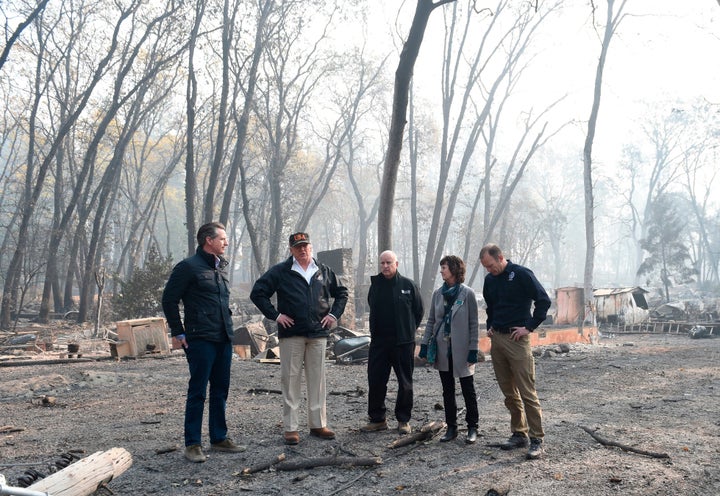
{"x": 664, "y": 50}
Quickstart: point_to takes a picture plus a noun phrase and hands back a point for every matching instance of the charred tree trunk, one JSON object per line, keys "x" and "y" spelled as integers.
{"x": 403, "y": 76}
{"x": 191, "y": 99}
{"x": 213, "y": 179}
{"x": 611, "y": 23}
{"x": 244, "y": 120}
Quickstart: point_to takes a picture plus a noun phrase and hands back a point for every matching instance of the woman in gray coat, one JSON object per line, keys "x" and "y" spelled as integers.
{"x": 450, "y": 343}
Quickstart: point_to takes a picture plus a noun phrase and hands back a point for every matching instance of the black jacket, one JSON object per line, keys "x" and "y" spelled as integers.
{"x": 408, "y": 310}
{"x": 305, "y": 303}
{"x": 205, "y": 293}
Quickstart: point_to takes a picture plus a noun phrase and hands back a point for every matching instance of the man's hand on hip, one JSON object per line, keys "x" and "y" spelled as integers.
{"x": 518, "y": 332}
{"x": 285, "y": 321}
{"x": 328, "y": 321}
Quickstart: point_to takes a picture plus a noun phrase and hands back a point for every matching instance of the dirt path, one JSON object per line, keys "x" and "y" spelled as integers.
{"x": 658, "y": 393}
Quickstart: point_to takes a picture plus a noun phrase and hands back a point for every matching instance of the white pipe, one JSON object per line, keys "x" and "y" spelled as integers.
{"x": 17, "y": 491}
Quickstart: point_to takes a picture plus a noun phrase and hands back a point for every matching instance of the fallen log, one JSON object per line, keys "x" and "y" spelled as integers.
{"x": 426, "y": 432}
{"x": 335, "y": 461}
{"x": 85, "y": 476}
{"x": 624, "y": 447}
{"x": 263, "y": 465}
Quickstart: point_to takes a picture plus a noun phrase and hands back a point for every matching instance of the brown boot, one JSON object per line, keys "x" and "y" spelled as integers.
{"x": 291, "y": 437}
{"x": 322, "y": 433}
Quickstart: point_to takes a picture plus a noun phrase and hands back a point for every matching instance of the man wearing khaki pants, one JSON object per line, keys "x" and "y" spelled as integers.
{"x": 310, "y": 300}
{"x": 509, "y": 291}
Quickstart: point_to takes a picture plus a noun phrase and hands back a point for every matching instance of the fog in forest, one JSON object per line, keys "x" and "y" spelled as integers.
{"x": 126, "y": 125}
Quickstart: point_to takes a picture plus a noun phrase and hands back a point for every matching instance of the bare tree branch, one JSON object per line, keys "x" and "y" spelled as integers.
{"x": 19, "y": 30}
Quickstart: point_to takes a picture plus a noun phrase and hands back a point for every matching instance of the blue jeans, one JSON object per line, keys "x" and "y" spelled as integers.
{"x": 208, "y": 362}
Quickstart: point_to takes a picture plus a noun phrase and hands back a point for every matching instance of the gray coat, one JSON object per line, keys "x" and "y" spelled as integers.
{"x": 463, "y": 330}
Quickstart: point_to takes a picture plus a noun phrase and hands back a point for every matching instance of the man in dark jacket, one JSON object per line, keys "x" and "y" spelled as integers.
{"x": 510, "y": 290}
{"x": 396, "y": 310}
{"x": 304, "y": 316}
{"x": 202, "y": 285}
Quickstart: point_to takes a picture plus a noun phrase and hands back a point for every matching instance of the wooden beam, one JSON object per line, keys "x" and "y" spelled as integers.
{"x": 85, "y": 476}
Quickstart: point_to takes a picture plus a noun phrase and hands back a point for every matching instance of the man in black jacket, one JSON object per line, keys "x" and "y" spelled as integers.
{"x": 202, "y": 285}
{"x": 396, "y": 310}
{"x": 304, "y": 316}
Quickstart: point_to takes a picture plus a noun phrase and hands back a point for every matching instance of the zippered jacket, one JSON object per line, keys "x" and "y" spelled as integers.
{"x": 307, "y": 304}
{"x": 408, "y": 310}
{"x": 205, "y": 293}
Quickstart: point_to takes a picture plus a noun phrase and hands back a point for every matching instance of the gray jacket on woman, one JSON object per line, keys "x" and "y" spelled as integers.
{"x": 463, "y": 330}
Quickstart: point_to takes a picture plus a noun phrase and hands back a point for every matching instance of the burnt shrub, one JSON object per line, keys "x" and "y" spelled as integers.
{"x": 141, "y": 293}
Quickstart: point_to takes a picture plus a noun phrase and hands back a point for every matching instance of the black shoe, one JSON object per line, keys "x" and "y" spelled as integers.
{"x": 517, "y": 440}
{"x": 471, "y": 435}
{"x": 536, "y": 450}
{"x": 450, "y": 434}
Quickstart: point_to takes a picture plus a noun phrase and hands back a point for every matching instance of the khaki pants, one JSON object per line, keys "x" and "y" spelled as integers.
{"x": 296, "y": 353}
{"x": 515, "y": 373}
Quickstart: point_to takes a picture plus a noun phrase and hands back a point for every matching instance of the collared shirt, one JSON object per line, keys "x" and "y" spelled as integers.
{"x": 306, "y": 273}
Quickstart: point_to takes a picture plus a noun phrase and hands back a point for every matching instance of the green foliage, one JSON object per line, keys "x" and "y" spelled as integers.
{"x": 142, "y": 293}
{"x": 666, "y": 245}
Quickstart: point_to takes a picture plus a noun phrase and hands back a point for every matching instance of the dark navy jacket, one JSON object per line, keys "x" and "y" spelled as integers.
{"x": 509, "y": 295}
{"x": 205, "y": 293}
{"x": 307, "y": 304}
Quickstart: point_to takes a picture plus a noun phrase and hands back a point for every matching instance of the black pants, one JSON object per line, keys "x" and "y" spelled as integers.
{"x": 467, "y": 385}
{"x": 381, "y": 358}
